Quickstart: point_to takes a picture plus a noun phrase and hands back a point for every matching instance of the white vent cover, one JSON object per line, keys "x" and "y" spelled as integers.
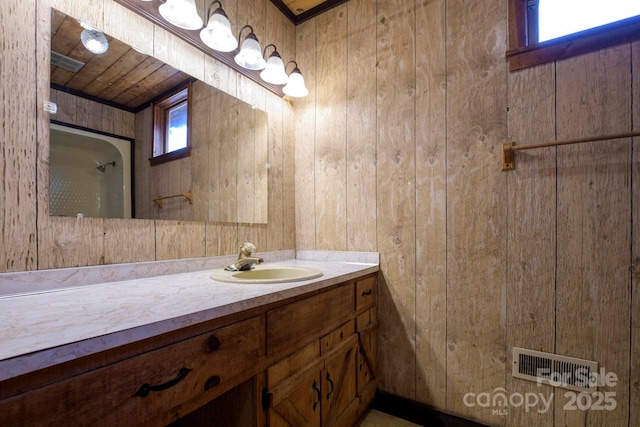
{"x": 558, "y": 371}
{"x": 65, "y": 62}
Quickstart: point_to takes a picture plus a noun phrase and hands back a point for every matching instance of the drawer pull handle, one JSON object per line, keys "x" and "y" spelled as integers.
{"x": 212, "y": 382}
{"x": 213, "y": 343}
{"x": 367, "y": 292}
{"x": 317, "y": 390}
{"x": 330, "y": 383}
{"x": 145, "y": 389}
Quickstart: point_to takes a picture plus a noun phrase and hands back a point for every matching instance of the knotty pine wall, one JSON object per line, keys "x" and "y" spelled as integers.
{"x": 397, "y": 151}
{"x": 33, "y": 240}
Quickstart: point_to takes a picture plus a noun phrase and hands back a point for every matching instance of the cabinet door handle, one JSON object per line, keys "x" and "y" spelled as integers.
{"x": 330, "y": 383}
{"x": 145, "y": 389}
{"x": 367, "y": 292}
{"x": 317, "y": 390}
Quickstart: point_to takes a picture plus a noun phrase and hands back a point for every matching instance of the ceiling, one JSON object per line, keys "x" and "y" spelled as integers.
{"x": 122, "y": 77}
{"x": 300, "y": 10}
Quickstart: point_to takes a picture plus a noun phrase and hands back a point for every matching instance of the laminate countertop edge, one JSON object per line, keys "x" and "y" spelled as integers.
{"x": 48, "y": 328}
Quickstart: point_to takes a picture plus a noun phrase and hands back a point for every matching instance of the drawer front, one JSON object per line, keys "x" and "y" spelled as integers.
{"x": 295, "y": 324}
{"x": 366, "y": 291}
{"x": 135, "y": 391}
{"x": 334, "y": 338}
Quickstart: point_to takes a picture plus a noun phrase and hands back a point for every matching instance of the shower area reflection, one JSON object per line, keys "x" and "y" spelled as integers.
{"x": 89, "y": 174}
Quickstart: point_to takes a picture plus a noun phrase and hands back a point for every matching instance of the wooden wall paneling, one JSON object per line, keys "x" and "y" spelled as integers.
{"x": 202, "y": 119}
{"x": 476, "y": 204}
{"x": 634, "y": 373}
{"x": 178, "y": 53}
{"x": 228, "y": 154}
{"x": 288, "y": 146}
{"x": 127, "y": 26}
{"x": 275, "y": 105}
{"x": 127, "y": 240}
{"x": 395, "y": 196}
{"x": 361, "y": 127}
{"x": 431, "y": 203}
{"x": 179, "y": 239}
{"x": 222, "y": 239}
{"x": 91, "y": 11}
{"x": 186, "y": 183}
{"x": 70, "y": 242}
{"x": 593, "y": 230}
{"x": 89, "y": 114}
{"x": 531, "y": 224}
{"x": 288, "y": 177}
{"x": 43, "y": 92}
{"x": 143, "y": 195}
{"x": 245, "y": 174}
{"x": 19, "y": 135}
{"x": 331, "y": 134}
{"x": 260, "y": 172}
{"x": 305, "y": 141}
{"x": 107, "y": 120}
{"x": 66, "y": 111}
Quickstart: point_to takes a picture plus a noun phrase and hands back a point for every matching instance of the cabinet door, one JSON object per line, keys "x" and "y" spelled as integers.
{"x": 297, "y": 402}
{"x": 366, "y": 325}
{"x": 339, "y": 397}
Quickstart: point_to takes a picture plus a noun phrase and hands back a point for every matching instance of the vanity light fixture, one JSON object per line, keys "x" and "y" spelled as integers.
{"x": 94, "y": 40}
{"x": 295, "y": 86}
{"x": 250, "y": 55}
{"x": 217, "y": 34}
{"x": 274, "y": 71}
{"x": 181, "y": 13}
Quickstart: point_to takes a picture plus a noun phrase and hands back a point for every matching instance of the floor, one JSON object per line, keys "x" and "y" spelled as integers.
{"x": 380, "y": 419}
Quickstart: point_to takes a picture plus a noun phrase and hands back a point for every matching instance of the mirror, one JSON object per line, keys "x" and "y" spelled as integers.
{"x": 102, "y": 97}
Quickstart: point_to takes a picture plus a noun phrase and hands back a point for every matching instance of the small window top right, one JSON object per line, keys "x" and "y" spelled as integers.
{"x": 542, "y": 31}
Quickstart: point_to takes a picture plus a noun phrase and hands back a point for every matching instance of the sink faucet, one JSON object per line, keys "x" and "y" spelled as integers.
{"x": 245, "y": 261}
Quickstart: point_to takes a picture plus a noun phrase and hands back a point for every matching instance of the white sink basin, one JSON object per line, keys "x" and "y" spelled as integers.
{"x": 267, "y": 274}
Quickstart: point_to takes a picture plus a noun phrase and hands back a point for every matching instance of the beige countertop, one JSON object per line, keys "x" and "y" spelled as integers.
{"x": 52, "y": 326}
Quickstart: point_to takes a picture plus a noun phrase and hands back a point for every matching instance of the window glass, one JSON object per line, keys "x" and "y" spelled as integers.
{"x": 177, "y": 127}
{"x": 557, "y": 18}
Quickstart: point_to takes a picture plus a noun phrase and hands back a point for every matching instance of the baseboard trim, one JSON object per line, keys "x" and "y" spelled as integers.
{"x": 417, "y": 413}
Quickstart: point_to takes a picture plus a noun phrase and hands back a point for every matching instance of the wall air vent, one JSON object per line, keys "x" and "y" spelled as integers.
{"x": 558, "y": 371}
{"x": 65, "y": 62}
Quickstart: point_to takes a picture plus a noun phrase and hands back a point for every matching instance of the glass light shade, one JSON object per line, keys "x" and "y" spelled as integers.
{"x": 94, "y": 41}
{"x": 181, "y": 13}
{"x": 274, "y": 71}
{"x": 250, "y": 56}
{"x": 295, "y": 86}
{"x": 217, "y": 34}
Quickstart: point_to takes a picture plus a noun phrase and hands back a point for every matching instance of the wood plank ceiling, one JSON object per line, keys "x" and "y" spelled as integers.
{"x": 300, "y": 10}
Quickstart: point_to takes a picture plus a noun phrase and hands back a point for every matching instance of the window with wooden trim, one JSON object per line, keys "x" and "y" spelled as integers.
{"x": 542, "y": 31}
{"x": 171, "y": 127}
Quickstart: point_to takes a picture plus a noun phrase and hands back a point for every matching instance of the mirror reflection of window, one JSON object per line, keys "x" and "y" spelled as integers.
{"x": 177, "y": 127}
{"x": 171, "y": 126}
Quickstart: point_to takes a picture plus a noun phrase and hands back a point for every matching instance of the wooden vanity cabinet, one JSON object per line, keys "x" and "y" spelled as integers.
{"x": 308, "y": 361}
{"x": 143, "y": 389}
{"x": 331, "y": 379}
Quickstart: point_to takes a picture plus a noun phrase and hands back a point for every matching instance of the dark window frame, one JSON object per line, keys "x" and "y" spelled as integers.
{"x": 524, "y": 51}
{"x": 160, "y": 110}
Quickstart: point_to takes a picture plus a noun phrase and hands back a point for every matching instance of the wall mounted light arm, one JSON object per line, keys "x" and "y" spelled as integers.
{"x": 274, "y": 72}
{"x": 295, "y": 86}
{"x": 217, "y": 34}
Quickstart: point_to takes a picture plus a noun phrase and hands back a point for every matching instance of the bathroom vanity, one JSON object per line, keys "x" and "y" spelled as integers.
{"x": 186, "y": 349}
